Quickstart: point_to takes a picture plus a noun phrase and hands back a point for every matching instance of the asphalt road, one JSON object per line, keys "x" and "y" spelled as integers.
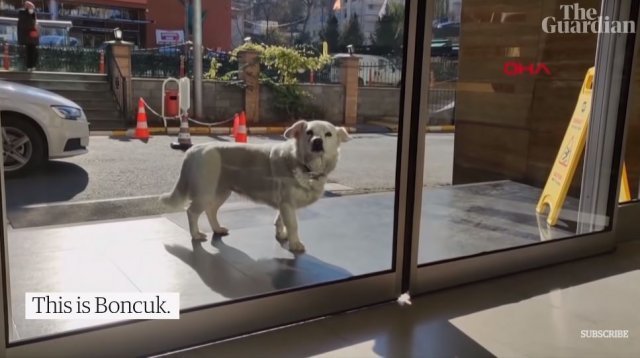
{"x": 116, "y": 169}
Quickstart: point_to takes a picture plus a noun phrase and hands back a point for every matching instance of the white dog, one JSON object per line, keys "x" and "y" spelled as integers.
{"x": 285, "y": 176}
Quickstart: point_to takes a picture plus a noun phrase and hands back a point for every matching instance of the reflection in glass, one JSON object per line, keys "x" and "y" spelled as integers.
{"x": 516, "y": 90}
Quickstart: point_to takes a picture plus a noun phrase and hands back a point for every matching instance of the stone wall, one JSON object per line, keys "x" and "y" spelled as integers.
{"x": 378, "y": 103}
{"x": 221, "y": 100}
{"x": 375, "y": 103}
{"x": 329, "y": 99}
{"x": 327, "y": 102}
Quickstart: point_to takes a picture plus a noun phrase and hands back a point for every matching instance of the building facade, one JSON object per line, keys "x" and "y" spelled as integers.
{"x": 239, "y": 13}
{"x": 319, "y": 15}
{"x": 146, "y": 23}
{"x": 367, "y": 11}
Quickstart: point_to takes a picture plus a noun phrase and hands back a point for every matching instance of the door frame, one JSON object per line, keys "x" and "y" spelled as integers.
{"x": 457, "y": 271}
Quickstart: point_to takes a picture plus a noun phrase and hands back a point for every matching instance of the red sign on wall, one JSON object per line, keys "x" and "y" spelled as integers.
{"x": 513, "y": 68}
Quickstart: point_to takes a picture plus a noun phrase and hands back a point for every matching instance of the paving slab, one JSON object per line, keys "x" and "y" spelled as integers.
{"x": 345, "y": 236}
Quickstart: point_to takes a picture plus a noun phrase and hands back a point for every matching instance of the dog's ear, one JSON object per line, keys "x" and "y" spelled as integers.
{"x": 296, "y": 129}
{"x": 343, "y": 135}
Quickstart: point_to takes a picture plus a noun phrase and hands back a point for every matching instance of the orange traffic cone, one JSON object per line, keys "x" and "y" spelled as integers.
{"x": 236, "y": 123}
{"x": 142, "y": 130}
{"x": 241, "y": 131}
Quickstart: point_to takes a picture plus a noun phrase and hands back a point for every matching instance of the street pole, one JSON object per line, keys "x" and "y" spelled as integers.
{"x": 197, "y": 56}
{"x": 186, "y": 22}
{"x": 185, "y": 52}
{"x": 53, "y": 9}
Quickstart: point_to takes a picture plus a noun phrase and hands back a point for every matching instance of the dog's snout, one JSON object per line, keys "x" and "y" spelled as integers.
{"x": 317, "y": 145}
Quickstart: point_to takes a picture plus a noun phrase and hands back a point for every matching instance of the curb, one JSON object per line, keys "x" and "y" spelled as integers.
{"x": 394, "y": 127}
{"x": 129, "y": 133}
{"x": 441, "y": 129}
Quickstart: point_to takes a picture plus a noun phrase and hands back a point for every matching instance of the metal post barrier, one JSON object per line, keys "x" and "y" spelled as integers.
{"x": 6, "y": 60}
{"x": 182, "y": 66}
{"x": 101, "y": 65}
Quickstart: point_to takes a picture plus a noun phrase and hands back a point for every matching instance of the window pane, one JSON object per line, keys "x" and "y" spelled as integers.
{"x": 508, "y": 107}
{"x": 630, "y": 182}
{"x": 303, "y": 202}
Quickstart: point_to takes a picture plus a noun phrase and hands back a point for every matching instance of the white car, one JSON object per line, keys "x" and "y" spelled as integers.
{"x": 374, "y": 70}
{"x": 38, "y": 125}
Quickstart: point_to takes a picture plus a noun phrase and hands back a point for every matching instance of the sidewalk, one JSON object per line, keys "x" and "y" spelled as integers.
{"x": 345, "y": 236}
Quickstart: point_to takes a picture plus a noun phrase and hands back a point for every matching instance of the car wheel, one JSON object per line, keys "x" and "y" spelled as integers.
{"x": 23, "y": 146}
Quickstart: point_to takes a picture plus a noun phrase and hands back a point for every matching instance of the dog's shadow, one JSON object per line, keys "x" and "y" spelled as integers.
{"x": 234, "y": 274}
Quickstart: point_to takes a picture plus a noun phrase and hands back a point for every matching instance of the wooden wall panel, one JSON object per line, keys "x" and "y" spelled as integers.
{"x": 632, "y": 148}
{"x": 486, "y": 153}
{"x": 514, "y": 131}
{"x": 499, "y": 109}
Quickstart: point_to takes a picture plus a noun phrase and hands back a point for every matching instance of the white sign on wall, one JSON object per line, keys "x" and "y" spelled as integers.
{"x": 169, "y": 37}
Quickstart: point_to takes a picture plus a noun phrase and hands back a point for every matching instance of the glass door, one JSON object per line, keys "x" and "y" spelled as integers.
{"x": 519, "y": 166}
{"x": 629, "y": 191}
{"x": 91, "y": 224}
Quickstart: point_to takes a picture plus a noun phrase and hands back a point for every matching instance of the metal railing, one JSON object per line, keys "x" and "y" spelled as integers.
{"x": 442, "y": 96}
{"x": 160, "y": 62}
{"x": 120, "y": 86}
{"x": 444, "y": 69}
{"x": 330, "y": 74}
{"x": 379, "y": 75}
{"x": 442, "y": 91}
{"x": 369, "y": 75}
{"x": 56, "y": 59}
{"x": 175, "y": 60}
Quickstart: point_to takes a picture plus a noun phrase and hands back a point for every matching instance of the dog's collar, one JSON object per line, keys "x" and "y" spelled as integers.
{"x": 310, "y": 173}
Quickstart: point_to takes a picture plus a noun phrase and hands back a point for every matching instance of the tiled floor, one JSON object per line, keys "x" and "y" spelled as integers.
{"x": 156, "y": 253}
{"x": 538, "y": 313}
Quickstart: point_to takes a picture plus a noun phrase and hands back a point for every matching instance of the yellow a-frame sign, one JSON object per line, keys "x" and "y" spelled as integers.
{"x": 564, "y": 168}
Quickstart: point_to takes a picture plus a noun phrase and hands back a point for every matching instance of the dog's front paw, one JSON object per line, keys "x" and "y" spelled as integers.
{"x": 221, "y": 231}
{"x": 281, "y": 235}
{"x": 296, "y": 246}
{"x": 198, "y": 237}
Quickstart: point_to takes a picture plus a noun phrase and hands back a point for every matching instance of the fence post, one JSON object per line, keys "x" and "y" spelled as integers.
{"x": 6, "y": 60}
{"x": 249, "y": 72}
{"x": 101, "y": 64}
{"x": 349, "y": 69}
{"x": 182, "y": 67}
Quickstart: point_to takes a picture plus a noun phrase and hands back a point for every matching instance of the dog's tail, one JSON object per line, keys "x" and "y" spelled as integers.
{"x": 178, "y": 196}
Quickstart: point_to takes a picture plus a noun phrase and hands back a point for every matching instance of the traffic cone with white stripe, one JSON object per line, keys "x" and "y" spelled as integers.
{"x": 142, "y": 129}
{"x": 241, "y": 131}
{"x": 184, "y": 137}
{"x": 236, "y": 123}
